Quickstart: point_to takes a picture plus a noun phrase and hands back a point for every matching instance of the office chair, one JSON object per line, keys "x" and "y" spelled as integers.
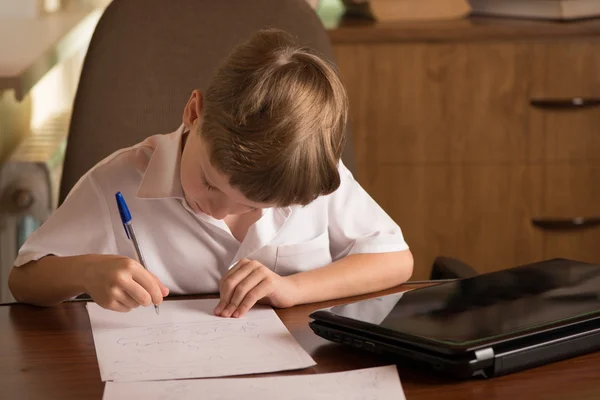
{"x": 146, "y": 57}
{"x": 450, "y": 268}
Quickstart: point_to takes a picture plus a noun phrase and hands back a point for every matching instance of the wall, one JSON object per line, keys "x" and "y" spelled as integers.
{"x": 53, "y": 93}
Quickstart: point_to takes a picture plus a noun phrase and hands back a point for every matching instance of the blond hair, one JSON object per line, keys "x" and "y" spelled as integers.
{"x": 274, "y": 119}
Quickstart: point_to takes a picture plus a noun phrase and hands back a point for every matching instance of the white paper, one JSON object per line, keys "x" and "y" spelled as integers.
{"x": 187, "y": 341}
{"x": 380, "y": 383}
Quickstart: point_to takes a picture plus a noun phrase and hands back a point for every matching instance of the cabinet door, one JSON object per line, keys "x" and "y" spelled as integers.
{"x": 566, "y": 92}
{"x": 443, "y": 143}
{"x": 571, "y": 212}
{"x": 566, "y": 99}
{"x": 478, "y": 214}
{"x": 439, "y": 103}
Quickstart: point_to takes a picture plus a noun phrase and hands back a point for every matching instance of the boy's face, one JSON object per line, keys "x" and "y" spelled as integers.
{"x": 207, "y": 190}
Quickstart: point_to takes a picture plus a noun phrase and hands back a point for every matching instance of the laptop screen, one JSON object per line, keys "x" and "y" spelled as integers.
{"x": 489, "y": 306}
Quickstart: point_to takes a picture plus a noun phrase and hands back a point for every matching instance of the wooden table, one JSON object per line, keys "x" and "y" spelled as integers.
{"x": 49, "y": 354}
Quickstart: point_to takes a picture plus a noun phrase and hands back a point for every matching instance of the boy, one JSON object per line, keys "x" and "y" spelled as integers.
{"x": 248, "y": 197}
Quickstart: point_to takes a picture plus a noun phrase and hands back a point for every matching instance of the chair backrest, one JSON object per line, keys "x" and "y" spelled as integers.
{"x": 145, "y": 58}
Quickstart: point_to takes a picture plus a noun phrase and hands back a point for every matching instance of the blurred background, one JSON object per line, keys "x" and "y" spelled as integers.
{"x": 475, "y": 123}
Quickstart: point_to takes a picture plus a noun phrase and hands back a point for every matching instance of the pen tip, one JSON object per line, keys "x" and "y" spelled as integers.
{"x": 156, "y": 309}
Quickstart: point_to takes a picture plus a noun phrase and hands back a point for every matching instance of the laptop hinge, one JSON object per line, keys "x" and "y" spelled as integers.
{"x": 484, "y": 354}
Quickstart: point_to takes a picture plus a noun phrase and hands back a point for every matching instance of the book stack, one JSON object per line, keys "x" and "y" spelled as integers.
{"x": 407, "y": 10}
{"x": 537, "y": 9}
{"x": 402, "y": 10}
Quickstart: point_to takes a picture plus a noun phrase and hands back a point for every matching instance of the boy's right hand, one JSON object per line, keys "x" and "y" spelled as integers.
{"x": 119, "y": 283}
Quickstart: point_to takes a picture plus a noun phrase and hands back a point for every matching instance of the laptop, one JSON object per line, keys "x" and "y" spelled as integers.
{"x": 484, "y": 326}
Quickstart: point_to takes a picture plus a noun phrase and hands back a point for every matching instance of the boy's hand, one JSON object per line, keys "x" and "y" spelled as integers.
{"x": 249, "y": 282}
{"x": 120, "y": 283}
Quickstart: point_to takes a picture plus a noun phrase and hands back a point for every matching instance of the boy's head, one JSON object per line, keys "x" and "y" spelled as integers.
{"x": 269, "y": 130}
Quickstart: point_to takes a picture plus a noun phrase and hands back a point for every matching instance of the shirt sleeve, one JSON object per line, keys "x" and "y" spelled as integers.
{"x": 357, "y": 224}
{"x": 81, "y": 225}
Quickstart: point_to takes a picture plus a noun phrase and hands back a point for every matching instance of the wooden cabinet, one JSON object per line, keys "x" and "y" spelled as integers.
{"x": 433, "y": 103}
{"x": 566, "y": 88}
{"x": 567, "y": 71}
{"x": 463, "y": 132}
{"x": 478, "y": 213}
{"x": 572, "y": 192}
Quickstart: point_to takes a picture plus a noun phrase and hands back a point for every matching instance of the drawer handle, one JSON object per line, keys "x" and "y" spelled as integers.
{"x": 565, "y": 104}
{"x": 566, "y": 223}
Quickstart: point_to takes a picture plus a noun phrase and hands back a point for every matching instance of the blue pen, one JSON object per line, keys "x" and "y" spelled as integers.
{"x": 126, "y": 219}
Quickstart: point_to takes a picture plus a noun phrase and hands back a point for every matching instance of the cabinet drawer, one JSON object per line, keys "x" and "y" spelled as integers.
{"x": 480, "y": 215}
{"x": 565, "y": 98}
{"x": 571, "y": 190}
{"x": 578, "y": 245}
{"x": 570, "y": 219}
{"x": 440, "y": 103}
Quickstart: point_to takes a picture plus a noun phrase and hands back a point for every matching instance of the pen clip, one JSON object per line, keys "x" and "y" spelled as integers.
{"x": 127, "y": 233}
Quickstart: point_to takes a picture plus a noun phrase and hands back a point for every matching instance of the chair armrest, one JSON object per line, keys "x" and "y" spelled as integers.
{"x": 451, "y": 268}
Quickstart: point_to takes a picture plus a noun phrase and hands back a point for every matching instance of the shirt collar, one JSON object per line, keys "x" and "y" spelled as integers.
{"x": 162, "y": 178}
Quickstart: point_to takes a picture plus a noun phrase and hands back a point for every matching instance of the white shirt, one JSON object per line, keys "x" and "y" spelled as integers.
{"x": 190, "y": 252}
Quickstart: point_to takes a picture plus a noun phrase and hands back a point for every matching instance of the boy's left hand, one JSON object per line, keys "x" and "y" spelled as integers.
{"x": 247, "y": 283}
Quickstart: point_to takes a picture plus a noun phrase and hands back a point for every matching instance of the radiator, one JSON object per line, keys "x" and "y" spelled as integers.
{"x": 29, "y": 183}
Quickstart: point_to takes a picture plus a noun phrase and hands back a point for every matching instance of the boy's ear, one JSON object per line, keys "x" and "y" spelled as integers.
{"x": 193, "y": 109}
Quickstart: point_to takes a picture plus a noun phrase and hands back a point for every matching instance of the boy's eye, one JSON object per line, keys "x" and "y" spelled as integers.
{"x": 207, "y": 185}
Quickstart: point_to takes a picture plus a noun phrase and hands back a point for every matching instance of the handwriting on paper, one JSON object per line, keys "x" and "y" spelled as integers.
{"x": 187, "y": 341}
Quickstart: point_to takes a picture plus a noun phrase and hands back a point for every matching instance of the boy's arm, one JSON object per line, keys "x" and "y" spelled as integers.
{"x": 250, "y": 281}
{"x": 71, "y": 253}
{"x": 353, "y": 275}
{"x": 114, "y": 282}
{"x": 367, "y": 247}
{"x": 366, "y": 244}
{"x": 47, "y": 281}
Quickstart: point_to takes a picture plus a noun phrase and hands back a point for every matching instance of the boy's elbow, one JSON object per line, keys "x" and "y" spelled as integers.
{"x": 406, "y": 265}
{"x": 20, "y": 286}
{"x": 14, "y": 284}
